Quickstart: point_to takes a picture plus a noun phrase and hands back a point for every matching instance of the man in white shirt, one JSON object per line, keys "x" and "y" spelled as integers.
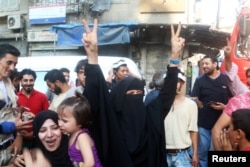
{"x": 57, "y": 84}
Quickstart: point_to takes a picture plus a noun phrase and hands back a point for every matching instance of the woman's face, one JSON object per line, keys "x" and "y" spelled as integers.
{"x": 50, "y": 135}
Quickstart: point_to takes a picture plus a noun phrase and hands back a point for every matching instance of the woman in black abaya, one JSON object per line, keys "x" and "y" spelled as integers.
{"x": 127, "y": 101}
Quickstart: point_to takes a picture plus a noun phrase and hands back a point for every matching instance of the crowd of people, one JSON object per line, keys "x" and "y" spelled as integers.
{"x": 107, "y": 122}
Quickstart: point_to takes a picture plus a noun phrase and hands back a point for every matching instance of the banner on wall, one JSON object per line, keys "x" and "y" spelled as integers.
{"x": 47, "y": 14}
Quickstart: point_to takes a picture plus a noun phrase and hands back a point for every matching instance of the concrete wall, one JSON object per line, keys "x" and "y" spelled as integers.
{"x": 130, "y": 12}
{"x": 154, "y": 57}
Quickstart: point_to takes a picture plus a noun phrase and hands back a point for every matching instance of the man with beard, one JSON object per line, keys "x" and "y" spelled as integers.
{"x": 211, "y": 93}
{"x": 30, "y": 100}
{"x": 57, "y": 84}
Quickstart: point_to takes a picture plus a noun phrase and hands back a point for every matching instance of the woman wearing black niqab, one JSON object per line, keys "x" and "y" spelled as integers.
{"x": 127, "y": 100}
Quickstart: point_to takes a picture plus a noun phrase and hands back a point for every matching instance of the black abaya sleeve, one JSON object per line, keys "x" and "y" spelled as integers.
{"x": 168, "y": 92}
{"x": 156, "y": 113}
{"x": 105, "y": 131}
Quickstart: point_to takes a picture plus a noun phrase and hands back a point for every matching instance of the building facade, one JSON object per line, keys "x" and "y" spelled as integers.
{"x": 28, "y": 25}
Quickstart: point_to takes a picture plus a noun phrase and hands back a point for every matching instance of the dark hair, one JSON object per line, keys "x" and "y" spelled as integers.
{"x": 27, "y": 71}
{"x": 14, "y": 74}
{"x": 81, "y": 65}
{"x": 6, "y": 48}
{"x": 123, "y": 65}
{"x": 158, "y": 79}
{"x": 64, "y": 70}
{"x": 247, "y": 71}
{"x": 151, "y": 85}
{"x": 54, "y": 75}
{"x": 80, "y": 108}
{"x": 213, "y": 59}
{"x": 240, "y": 120}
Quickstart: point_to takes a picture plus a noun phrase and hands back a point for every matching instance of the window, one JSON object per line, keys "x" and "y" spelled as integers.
{"x": 9, "y": 5}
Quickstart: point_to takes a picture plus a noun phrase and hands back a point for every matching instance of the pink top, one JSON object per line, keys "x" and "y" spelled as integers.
{"x": 237, "y": 102}
{"x": 246, "y": 149}
{"x": 235, "y": 84}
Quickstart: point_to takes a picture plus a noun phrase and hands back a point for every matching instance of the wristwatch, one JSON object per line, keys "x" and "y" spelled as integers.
{"x": 174, "y": 61}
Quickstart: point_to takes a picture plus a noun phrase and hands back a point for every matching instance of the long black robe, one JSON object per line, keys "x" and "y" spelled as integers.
{"x": 157, "y": 110}
{"x": 131, "y": 115}
{"x": 105, "y": 131}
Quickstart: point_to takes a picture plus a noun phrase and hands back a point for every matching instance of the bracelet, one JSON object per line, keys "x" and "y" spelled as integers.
{"x": 174, "y": 61}
{"x": 18, "y": 134}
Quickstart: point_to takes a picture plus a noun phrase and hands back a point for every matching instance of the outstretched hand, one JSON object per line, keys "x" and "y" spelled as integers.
{"x": 90, "y": 42}
{"x": 20, "y": 124}
{"x": 177, "y": 42}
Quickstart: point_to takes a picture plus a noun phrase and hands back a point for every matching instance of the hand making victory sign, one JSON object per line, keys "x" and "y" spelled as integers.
{"x": 90, "y": 42}
{"x": 227, "y": 49}
{"x": 177, "y": 42}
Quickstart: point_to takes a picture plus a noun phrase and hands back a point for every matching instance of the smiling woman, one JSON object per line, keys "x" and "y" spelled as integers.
{"x": 48, "y": 138}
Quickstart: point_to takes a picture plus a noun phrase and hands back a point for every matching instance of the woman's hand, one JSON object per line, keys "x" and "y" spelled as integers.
{"x": 90, "y": 42}
{"x": 177, "y": 42}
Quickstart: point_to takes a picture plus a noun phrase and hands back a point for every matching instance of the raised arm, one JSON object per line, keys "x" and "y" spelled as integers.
{"x": 104, "y": 130}
{"x": 177, "y": 44}
{"x": 227, "y": 53}
{"x": 168, "y": 92}
{"x": 90, "y": 42}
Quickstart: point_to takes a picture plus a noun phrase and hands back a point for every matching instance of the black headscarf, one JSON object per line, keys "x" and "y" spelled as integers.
{"x": 59, "y": 157}
{"x": 131, "y": 115}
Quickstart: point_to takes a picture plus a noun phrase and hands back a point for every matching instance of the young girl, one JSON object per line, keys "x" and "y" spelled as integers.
{"x": 74, "y": 119}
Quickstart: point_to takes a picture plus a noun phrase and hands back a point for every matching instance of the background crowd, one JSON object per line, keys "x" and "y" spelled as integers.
{"x": 107, "y": 122}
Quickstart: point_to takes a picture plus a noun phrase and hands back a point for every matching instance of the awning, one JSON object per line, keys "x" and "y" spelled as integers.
{"x": 112, "y": 33}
